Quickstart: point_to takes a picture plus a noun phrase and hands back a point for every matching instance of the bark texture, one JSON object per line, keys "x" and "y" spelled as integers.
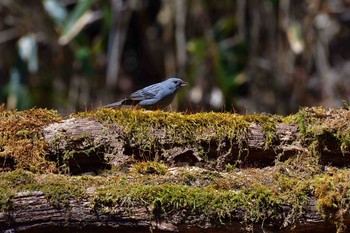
{"x": 87, "y": 145}
{"x": 110, "y": 146}
{"x": 32, "y": 212}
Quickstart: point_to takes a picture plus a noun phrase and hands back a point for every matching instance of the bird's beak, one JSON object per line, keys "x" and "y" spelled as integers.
{"x": 184, "y": 84}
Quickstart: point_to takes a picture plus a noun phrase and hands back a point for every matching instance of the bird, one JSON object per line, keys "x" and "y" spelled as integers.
{"x": 153, "y": 97}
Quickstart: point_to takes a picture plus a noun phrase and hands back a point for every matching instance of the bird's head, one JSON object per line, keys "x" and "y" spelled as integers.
{"x": 176, "y": 82}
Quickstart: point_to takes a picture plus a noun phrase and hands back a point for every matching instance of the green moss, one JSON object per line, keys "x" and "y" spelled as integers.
{"x": 320, "y": 128}
{"x": 127, "y": 190}
{"x": 258, "y": 194}
{"x": 5, "y": 199}
{"x": 256, "y": 200}
{"x": 149, "y": 130}
{"x": 150, "y": 167}
{"x": 168, "y": 197}
{"x": 332, "y": 191}
{"x": 19, "y": 178}
{"x": 21, "y": 138}
{"x": 59, "y": 189}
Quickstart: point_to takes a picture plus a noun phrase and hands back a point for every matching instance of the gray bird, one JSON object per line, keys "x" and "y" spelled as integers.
{"x": 156, "y": 96}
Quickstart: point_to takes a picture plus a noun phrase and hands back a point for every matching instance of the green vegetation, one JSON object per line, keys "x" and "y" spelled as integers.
{"x": 59, "y": 189}
{"x": 256, "y": 194}
{"x": 21, "y": 138}
{"x": 318, "y": 125}
{"x": 141, "y": 127}
{"x": 150, "y": 167}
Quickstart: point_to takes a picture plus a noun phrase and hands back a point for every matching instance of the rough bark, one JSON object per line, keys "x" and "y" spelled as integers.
{"x": 110, "y": 147}
{"x": 97, "y": 146}
{"x": 32, "y": 212}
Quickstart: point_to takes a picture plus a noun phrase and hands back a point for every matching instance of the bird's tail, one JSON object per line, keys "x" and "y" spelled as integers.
{"x": 114, "y": 105}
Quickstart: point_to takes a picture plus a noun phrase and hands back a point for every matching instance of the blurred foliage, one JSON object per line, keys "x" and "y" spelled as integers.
{"x": 270, "y": 55}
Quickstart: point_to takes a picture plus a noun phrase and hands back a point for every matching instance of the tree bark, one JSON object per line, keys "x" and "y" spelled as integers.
{"x": 111, "y": 147}
{"x": 32, "y": 212}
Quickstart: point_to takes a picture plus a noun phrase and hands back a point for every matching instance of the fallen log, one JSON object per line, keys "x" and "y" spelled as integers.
{"x": 92, "y": 145}
{"x": 210, "y": 140}
{"x": 174, "y": 172}
{"x": 88, "y": 210}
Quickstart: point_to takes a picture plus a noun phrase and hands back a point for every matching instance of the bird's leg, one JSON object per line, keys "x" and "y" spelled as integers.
{"x": 136, "y": 107}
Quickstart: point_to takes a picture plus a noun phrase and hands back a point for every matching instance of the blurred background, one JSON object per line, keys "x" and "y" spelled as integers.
{"x": 238, "y": 55}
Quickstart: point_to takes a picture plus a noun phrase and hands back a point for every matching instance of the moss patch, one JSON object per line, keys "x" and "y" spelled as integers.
{"x": 318, "y": 125}
{"x": 150, "y": 167}
{"x": 21, "y": 139}
{"x": 150, "y": 130}
{"x": 279, "y": 194}
{"x": 59, "y": 189}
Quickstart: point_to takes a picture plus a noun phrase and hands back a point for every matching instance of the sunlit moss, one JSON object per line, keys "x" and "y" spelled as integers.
{"x": 257, "y": 193}
{"x": 332, "y": 190}
{"x": 320, "y": 125}
{"x": 149, "y": 130}
{"x": 59, "y": 189}
{"x": 150, "y": 167}
{"x": 21, "y": 138}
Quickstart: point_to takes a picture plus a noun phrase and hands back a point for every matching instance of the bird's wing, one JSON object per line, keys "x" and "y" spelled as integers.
{"x": 146, "y": 93}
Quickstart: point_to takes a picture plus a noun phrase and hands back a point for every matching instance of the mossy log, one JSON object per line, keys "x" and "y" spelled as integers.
{"x": 137, "y": 170}
{"x": 91, "y": 142}
{"x": 89, "y": 145}
{"x": 32, "y": 212}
